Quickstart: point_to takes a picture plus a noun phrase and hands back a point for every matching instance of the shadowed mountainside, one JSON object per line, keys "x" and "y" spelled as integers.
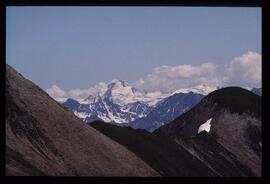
{"x": 43, "y": 138}
{"x": 161, "y": 153}
{"x": 235, "y": 134}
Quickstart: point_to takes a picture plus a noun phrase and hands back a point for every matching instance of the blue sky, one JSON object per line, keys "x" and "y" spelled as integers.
{"x": 77, "y": 47}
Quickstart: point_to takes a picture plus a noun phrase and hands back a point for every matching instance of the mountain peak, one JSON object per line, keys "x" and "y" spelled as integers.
{"x": 119, "y": 92}
{"x": 237, "y": 99}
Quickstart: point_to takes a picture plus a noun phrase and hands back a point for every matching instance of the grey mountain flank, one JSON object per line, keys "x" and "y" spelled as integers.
{"x": 233, "y": 145}
{"x": 44, "y": 138}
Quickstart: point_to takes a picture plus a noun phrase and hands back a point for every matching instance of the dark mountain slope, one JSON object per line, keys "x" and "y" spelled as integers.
{"x": 162, "y": 154}
{"x": 231, "y": 99}
{"x": 43, "y": 138}
{"x": 235, "y": 127}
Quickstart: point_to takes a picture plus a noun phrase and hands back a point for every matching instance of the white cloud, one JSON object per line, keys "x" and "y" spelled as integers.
{"x": 60, "y": 95}
{"x": 169, "y": 78}
{"x": 78, "y": 93}
{"x": 56, "y": 92}
{"x": 245, "y": 70}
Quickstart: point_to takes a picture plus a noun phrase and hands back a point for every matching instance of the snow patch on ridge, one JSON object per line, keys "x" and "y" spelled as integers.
{"x": 206, "y": 126}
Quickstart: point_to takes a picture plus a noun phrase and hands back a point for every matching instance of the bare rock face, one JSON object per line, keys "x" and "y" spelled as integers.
{"x": 232, "y": 147}
{"x": 43, "y": 138}
{"x": 240, "y": 134}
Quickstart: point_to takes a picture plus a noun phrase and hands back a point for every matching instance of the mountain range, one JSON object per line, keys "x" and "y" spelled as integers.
{"x": 220, "y": 136}
{"x": 119, "y": 103}
{"x": 115, "y": 102}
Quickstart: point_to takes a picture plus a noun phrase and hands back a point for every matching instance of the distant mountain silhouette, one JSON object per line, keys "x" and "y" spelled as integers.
{"x": 167, "y": 110}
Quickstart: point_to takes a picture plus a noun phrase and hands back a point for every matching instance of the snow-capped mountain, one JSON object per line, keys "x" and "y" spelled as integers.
{"x": 121, "y": 93}
{"x": 116, "y": 102}
{"x": 106, "y": 110}
{"x": 120, "y": 103}
{"x": 175, "y": 104}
